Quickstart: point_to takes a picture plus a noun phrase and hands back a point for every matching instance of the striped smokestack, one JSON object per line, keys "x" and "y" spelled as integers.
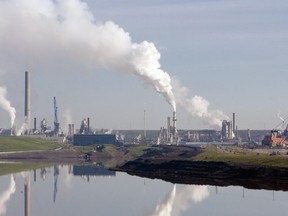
{"x": 27, "y": 100}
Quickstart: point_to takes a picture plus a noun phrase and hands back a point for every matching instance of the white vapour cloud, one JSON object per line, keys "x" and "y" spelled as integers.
{"x": 5, "y": 104}
{"x": 197, "y": 106}
{"x": 5, "y": 195}
{"x": 165, "y": 207}
{"x": 178, "y": 200}
{"x": 67, "y": 119}
{"x": 22, "y": 129}
{"x": 42, "y": 32}
{"x": 189, "y": 194}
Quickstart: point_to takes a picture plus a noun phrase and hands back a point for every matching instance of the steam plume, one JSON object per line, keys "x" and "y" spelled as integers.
{"x": 188, "y": 194}
{"x": 67, "y": 119}
{"x": 165, "y": 207}
{"x": 6, "y": 105}
{"x": 197, "y": 106}
{"x": 178, "y": 201}
{"x": 66, "y": 31}
{"x": 22, "y": 129}
{"x": 5, "y": 196}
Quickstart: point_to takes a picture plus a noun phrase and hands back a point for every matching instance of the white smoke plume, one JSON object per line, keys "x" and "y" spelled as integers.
{"x": 66, "y": 31}
{"x": 197, "y": 106}
{"x": 179, "y": 200}
{"x": 67, "y": 119}
{"x": 22, "y": 129}
{"x": 6, "y": 195}
{"x": 165, "y": 207}
{"x": 5, "y": 104}
{"x": 188, "y": 194}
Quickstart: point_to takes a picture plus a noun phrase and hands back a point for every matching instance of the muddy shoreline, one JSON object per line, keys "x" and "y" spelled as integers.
{"x": 211, "y": 173}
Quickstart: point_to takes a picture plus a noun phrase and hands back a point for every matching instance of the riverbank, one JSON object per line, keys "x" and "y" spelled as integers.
{"x": 213, "y": 165}
{"x": 260, "y": 168}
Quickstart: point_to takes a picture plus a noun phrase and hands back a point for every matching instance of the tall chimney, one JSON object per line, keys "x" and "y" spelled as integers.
{"x": 27, "y": 101}
{"x": 88, "y": 125}
{"x": 168, "y": 129}
{"x": 174, "y": 128}
{"x": 35, "y": 125}
{"x": 234, "y": 124}
{"x": 174, "y": 122}
{"x": 144, "y": 124}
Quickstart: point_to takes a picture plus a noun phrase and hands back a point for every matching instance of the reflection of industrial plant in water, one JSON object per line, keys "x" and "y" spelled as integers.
{"x": 177, "y": 201}
{"x": 56, "y": 174}
{"x": 5, "y": 195}
{"x": 27, "y": 195}
{"x": 91, "y": 170}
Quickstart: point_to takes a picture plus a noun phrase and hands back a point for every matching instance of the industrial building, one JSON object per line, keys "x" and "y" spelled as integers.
{"x": 170, "y": 134}
{"x": 94, "y": 139}
{"x": 86, "y": 135}
{"x": 227, "y": 131}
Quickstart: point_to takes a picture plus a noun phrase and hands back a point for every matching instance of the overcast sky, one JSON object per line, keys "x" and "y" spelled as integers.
{"x": 231, "y": 53}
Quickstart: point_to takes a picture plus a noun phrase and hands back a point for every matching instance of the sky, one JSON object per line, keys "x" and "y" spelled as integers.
{"x": 218, "y": 57}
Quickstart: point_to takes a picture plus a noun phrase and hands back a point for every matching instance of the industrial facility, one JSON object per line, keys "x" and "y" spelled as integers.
{"x": 87, "y": 135}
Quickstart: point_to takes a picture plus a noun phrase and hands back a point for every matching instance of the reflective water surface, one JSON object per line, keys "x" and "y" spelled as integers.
{"x": 74, "y": 190}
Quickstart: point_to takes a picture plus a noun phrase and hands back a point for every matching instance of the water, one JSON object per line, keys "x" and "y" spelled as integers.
{"x": 57, "y": 191}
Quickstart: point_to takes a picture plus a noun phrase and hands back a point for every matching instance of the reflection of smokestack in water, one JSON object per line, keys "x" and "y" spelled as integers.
{"x": 27, "y": 195}
{"x": 27, "y": 101}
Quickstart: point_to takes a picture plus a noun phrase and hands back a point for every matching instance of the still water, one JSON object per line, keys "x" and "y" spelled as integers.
{"x": 68, "y": 190}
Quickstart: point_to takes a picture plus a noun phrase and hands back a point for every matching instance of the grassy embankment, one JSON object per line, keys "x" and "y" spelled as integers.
{"x": 22, "y": 143}
{"x": 14, "y": 144}
{"x": 238, "y": 155}
{"x": 116, "y": 156}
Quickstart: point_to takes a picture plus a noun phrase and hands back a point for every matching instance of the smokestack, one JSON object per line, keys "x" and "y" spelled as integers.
{"x": 27, "y": 101}
{"x": 174, "y": 128}
{"x": 174, "y": 122}
{"x": 234, "y": 124}
{"x": 35, "y": 126}
{"x": 88, "y": 125}
{"x": 70, "y": 131}
{"x": 168, "y": 129}
{"x": 144, "y": 124}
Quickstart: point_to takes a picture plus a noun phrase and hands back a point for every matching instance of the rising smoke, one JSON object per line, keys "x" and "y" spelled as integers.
{"x": 44, "y": 32}
{"x": 6, "y": 105}
{"x": 5, "y": 195}
{"x": 56, "y": 30}
{"x": 197, "y": 106}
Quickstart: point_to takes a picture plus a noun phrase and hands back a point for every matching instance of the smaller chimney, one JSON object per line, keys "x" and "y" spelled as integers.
{"x": 168, "y": 129}
{"x": 88, "y": 125}
{"x": 234, "y": 124}
{"x": 35, "y": 126}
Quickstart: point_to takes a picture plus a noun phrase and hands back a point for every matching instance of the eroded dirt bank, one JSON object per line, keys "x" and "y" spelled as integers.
{"x": 176, "y": 165}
